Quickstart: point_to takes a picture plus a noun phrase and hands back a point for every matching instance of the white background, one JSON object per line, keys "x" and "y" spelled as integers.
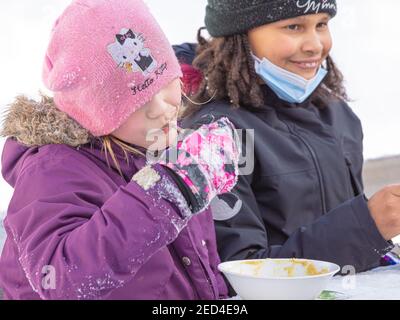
{"x": 366, "y": 47}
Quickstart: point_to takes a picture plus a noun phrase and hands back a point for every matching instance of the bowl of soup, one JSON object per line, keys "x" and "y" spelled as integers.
{"x": 278, "y": 279}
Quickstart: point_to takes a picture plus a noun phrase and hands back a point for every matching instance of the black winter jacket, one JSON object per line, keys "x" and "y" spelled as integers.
{"x": 305, "y": 196}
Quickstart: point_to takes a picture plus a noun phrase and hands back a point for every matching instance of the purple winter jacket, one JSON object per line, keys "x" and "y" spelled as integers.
{"x": 77, "y": 230}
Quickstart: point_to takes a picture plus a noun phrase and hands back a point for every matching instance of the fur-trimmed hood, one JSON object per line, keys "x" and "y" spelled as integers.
{"x": 33, "y": 127}
{"x": 35, "y": 123}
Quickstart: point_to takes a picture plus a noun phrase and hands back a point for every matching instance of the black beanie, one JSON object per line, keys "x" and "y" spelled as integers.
{"x": 228, "y": 17}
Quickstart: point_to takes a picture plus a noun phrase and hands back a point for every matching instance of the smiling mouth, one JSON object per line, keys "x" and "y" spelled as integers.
{"x": 311, "y": 65}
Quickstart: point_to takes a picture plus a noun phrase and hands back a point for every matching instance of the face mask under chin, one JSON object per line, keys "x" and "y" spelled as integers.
{"x": 287, "y": 85}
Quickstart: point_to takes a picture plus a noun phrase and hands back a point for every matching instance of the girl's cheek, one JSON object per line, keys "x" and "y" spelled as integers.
{"x": 148, "y": 136}
{"x": 285, "y": 50}
{"x": 327, "y": 43}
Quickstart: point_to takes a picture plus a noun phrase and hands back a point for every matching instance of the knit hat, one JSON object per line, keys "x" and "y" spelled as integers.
{"x": 229, "y": 17}
{"x": 106, "y": 59}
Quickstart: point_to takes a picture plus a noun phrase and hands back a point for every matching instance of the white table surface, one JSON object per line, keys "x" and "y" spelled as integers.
{"x": 378, "y": 284}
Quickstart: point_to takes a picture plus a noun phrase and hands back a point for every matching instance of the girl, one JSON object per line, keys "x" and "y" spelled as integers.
{"x": 80, "y": 227}
{"x": 268, "y": 68}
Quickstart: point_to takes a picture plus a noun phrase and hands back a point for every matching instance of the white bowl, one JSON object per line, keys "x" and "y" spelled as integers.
{"x": 278, "y": 279}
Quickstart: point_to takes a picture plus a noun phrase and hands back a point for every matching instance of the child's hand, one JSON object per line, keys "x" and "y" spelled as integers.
{"x": 206, "y": 160}
{"x": 385, "y": 210}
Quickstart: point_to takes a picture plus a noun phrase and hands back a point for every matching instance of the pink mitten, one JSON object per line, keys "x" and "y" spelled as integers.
{"x": 206, "y": 160}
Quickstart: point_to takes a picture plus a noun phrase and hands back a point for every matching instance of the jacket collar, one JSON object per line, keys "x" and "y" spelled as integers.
{"x": 129, "y": 164}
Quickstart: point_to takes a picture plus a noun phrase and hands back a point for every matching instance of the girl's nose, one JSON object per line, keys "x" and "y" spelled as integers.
{"x": 313, "y": 44}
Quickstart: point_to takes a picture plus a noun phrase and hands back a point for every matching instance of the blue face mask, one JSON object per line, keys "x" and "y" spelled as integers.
{"x": 288, "y": 86}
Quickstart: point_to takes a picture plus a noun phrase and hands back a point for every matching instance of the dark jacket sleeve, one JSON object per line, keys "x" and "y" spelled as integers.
{"x": 346, "y": 235}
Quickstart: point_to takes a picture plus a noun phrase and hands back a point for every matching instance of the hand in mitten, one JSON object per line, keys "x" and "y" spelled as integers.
{"x": 204, "y": 162}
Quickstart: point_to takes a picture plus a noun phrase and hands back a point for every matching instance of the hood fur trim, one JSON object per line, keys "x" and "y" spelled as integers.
{"x": 35, "y": 123}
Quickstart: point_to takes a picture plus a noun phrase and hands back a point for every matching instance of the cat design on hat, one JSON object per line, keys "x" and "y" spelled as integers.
{"x": 129, "y": 52}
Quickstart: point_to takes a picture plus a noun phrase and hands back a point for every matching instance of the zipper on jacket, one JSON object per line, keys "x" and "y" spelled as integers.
{"x": 202, "y": 266}
{"x": 355, "y": 189}
{"x": 208, "y": 279}
{"x": 207, "y": 276}
{"x": 316, "y": 163}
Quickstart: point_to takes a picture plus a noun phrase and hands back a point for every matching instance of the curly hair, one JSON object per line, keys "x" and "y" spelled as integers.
{"x": 228, "y": 73}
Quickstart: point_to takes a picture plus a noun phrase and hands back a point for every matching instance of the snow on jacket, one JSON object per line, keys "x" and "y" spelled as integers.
{"x": 99, "y": 235}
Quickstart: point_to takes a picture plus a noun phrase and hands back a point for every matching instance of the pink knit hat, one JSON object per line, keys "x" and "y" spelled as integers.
{"x": 106, "y": 59}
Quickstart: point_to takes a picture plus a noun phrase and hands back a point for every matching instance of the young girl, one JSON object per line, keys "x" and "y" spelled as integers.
{"x": 80, "y": 227}
{"x": 268, "y": 68}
